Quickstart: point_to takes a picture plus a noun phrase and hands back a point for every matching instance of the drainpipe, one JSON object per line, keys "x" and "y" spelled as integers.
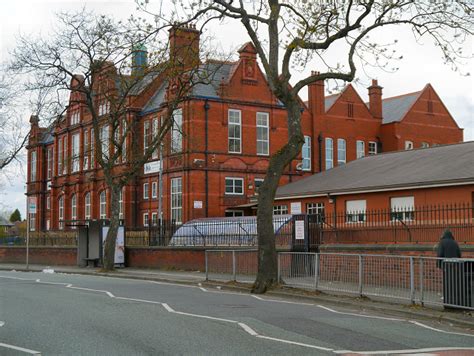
{"x": 206, "y": 173}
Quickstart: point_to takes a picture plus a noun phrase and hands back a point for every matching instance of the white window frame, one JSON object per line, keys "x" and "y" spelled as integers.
{"x": 146, "y": 188}
{"x": 236, "y": 122}
{"x": 75, "y": 154}
{"x": 233, "y": 180}
{"x": 409, "y": 145}
{"x": 49, "y": 173}
{"x": 103, "y": 204}
{"x": 146, "y": 136}
{"x": 329, "y": 152}
{"x": 104, "y": 107}
{"x": 306, "y": 154}
{"x": 85, "y": 149}
{"x": 425, "y": 144}
{"x": 92, "y": 149}
{"x": 280, "y": 209}
{"x": 145, "y": 219}
{"x": 341, "y": 151}
{"x": 48, "y": 202}
{"x": 314, "y": 208}
{"x": 402, "y": 208}
{"x": 263, "y": 129}
{"x": 33, "y": 165}
{"x": 260, "y": 180}
{"x": 356, "y": 211}
{"x": 74, "y": 207}
{"x": 75, "y": 117}
{"x": 177, "y": 132}
{"x": 105, "y": 141}
{"x": 154, "y": 219}
{"x": 154, "y": 131}
{"x": 360, "y": 149}
{"x": 372, "y": 148}
{"x": 176, "y": 200}
{"x": 61, "y": 212}
{"x": 123, "y": 132}
{"x": 154, "y": 190}
{"x": 87, "y": 206}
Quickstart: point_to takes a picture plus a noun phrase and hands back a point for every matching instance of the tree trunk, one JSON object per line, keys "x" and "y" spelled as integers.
{"x": 267, "y": 256}
{"x": 109, "y": 248}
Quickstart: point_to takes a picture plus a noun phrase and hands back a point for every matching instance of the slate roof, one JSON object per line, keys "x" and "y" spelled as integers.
{"x": 447, "y": 164}
{"x": 394, "y": 109}
{"x": 329, "y": 100}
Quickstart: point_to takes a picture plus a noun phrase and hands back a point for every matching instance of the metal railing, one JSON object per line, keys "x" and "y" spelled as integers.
{"x": 44, "y": 241}
{"x": 405, "y": 279}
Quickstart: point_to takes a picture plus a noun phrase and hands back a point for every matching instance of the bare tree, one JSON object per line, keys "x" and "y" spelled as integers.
{"x": 288, "y": 34}
{"x": 92, "y": 58}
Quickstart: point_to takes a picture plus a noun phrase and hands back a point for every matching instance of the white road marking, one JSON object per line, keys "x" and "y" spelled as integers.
{"x": 280, "y": 301}
{"x": 138, "y": 300}
{"x": 294, "y": 343}
{"x": 203, "y": 289}
{"x": 386, "y": 352}
{"x": 2, "y": 323}
{"x": 438, "y": 330}
{"x": 22, "y": 349}
{"x": 167, "y": 307}
{"x": 359, "y": 315}
{"x": 248, "y": 329}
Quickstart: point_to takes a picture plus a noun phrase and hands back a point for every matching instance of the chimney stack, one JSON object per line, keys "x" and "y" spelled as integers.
{"x": 184, "y": 45}
{"x": 316, "y": 97}
{"x": 375, "y": 99}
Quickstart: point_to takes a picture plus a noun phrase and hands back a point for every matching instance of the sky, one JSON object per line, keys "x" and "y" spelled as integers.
{"x": 421, "y": 64}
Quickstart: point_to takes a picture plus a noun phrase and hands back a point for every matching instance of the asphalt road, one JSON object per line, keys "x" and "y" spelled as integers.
{"x": 63, "y": 314}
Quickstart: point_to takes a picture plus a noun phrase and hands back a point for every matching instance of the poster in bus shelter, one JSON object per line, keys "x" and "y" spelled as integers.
{"x": 119, "y": 258}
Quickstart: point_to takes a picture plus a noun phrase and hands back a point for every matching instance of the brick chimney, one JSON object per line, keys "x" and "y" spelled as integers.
{"x": 184, "y": 45}
{"x": 316, "y": 97}
{"x": 375, "y": 99}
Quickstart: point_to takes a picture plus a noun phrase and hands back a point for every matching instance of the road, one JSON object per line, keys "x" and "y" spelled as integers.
{"x": 64, "y": 314}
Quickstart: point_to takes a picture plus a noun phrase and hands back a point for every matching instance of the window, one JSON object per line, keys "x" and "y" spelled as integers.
{"x": 145, "y": 219}
{"x": 360, "y": 148}
{"x": 234, "y": 186}
{"x": 372, "y": 148}
{"x": 73, "y": 207}
{"x": 154, "y": 190}
{"x": 425, "y": 145}
{"x": 306, "y": 154}
{"x": 280, "y": 210}
{"x": 176, "y": 200}
{"x": 262, "y": 133}
{"x": 61, "y": 212}
{"x": 50, "y": 163}
{"x": 48, "y": 202}
{"x": 33, "y": 166}
{"x": 155, "y": 134}
{"x": 75, "y": 117}
{"x": 408, "y": 145}
{"x": 350, "y": 109}
{"x": 176, "y": 131}
{"x": 145, "y": 191}
{"x": 355, "y": 211}
{"x": 154, "y": 219}
{"x": 48, "y": 224}
{"x": 121, "y": 204}
{"x": 87, "y": 206}
{"x": 92, "y": 149}
{"x": 329, "y": 153}
{"x": 104, "y": 139}
{"x": 60, "y": 154}
{"x": 258, "y": 183}
{"x": 75, "y": 153}
{"x": 124, "y": 140}
{"x": 235, "y": 131}
{"x": 103, "y": 205}
{"x": 104, "y": 107}
{"x": 234, "y": 213}
{"x": 314, "y": 208}
{"x": 341, "y": 151}
{"x": 146, "y": 136}
{"x": 65, "y": 158}
{"x": 85, "y": 149}
{"x": 402, "y": 208}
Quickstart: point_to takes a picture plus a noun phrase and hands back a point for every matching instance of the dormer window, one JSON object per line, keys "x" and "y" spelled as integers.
{"x": 104, "y": 108}
{"x": 75, "y": 117}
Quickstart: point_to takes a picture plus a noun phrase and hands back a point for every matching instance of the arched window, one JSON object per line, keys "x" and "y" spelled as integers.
{"x": 87, "y": 206}
{"x": 61, "y": 212}
{"x": 103, "y": 205}
{"x": 74, "y": 207}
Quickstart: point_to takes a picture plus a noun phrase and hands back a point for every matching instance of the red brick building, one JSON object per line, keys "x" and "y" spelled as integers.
{"x": 230, "y": 128}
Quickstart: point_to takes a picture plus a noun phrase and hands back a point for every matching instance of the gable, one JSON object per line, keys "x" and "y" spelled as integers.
{"x": 338, "y": 104}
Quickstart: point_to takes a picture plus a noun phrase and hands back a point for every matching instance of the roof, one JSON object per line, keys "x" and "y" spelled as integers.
{"x": 423, "y": 167}
{"x": 394, "y": 109}
{"x": 330, "y": 100}
{"x": 5, "y": 222}
{"x": 221, "y": 72}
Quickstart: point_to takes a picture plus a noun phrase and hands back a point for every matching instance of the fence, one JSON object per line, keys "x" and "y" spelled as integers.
{"x": 420, "y": 224}
{"x": 42, "y": 239}
{"x": 423, "y": 280}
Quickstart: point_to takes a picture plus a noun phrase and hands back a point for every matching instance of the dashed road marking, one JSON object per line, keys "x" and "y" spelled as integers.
{"x": 409, "y": 351}
{"x": 21, "y": 349}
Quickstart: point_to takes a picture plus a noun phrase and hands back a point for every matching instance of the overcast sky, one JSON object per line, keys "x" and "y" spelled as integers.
{"x": 420, "y": 65}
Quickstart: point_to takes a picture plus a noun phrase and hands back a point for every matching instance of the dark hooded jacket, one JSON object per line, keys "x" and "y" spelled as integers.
{"x": 448, "y": 247}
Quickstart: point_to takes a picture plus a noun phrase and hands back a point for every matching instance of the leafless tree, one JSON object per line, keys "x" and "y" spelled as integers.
{"x": 288, "y": 34}
{"x": 90, "y": 58}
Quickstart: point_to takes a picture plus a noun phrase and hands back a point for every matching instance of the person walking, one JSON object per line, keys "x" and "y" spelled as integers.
{"x": 448, "y": 247}
{"x": 452, "y": 272}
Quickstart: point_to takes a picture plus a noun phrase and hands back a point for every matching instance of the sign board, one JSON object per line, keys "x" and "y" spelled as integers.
{"x": 32, "y": 205}
{"x": 299, "y": 229}
{"x": 152, "y": 167}
{"x": 119, "y": 258}
{"x": 197, "y": 204}
{"x": 295, "y": 208}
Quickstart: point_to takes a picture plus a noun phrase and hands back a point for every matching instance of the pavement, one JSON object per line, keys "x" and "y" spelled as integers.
{"x": 53, "y": 313}
{"x": 461, "y": 318}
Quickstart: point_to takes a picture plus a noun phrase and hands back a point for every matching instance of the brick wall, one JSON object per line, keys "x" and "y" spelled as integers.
{"x": 56, "y": 256}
